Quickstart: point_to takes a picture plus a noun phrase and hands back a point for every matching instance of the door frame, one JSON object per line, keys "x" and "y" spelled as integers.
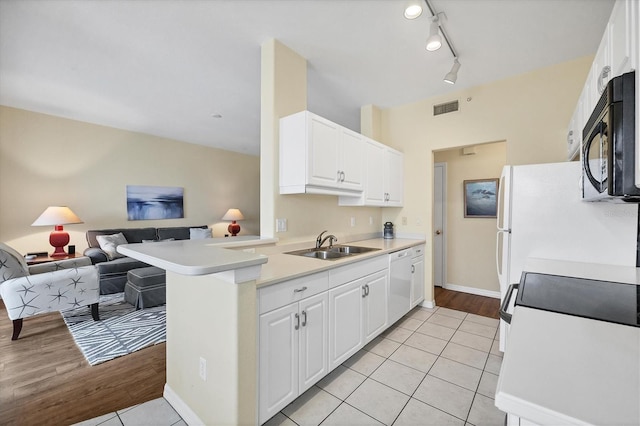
{"x": 442, "y": 166}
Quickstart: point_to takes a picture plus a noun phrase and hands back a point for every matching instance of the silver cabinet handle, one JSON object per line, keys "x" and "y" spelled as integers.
{"x": 304, "y": 318}
{"x": 297, "y": 326}
{"x": 298, "y": 290}
{"x": 413, "y": 269}
{"x": 364, "y": 291}
{"x": 366, "y": 287}
{"x": 339, "y": 175}
{"x": 343, "y": 176}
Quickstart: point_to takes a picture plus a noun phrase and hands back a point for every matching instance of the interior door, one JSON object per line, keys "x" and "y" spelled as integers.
{"x": 439, "y": 223}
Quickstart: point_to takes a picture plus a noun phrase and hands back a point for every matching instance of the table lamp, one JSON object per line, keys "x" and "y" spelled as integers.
{"x": 57, "y": 216}
{"x": 233, "y": 215}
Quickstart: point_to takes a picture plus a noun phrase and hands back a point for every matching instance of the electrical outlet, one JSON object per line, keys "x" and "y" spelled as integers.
{"x": 203, "y": 369}
{"x": 353, "y": 222}
{"x": 404, "y": 220}
{"x": 281, "y": 225}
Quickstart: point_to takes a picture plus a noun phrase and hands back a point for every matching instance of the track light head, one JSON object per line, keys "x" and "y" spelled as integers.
{"x": 452, "y": 75}
{"x": 434, "y": 42}
{"x": 413, "y": 10}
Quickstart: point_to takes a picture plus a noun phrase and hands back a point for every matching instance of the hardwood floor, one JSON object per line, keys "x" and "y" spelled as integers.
{"x": 479, "y": 305}
{"x": 44, "y": 378}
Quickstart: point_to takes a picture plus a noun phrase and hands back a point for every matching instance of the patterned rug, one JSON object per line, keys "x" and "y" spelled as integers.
{"x": 120, "y": 331}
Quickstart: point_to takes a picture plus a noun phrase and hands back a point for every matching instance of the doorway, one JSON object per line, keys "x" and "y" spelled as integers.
{"x": 439, "y": 223}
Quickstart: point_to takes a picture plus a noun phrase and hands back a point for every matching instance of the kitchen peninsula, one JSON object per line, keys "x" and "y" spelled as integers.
{"x": 212, "y": 326}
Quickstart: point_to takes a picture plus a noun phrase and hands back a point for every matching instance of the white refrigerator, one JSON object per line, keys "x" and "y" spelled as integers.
{"x": 541, "y": 215}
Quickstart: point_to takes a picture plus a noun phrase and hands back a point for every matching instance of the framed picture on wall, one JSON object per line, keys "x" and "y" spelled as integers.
{"x": 154, "y": 202}
{"x": 480, "y": 198}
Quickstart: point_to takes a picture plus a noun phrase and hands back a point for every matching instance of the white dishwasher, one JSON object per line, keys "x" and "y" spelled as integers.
{"x": 399, "y": 284}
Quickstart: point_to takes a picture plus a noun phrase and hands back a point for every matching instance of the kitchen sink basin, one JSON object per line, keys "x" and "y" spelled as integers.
{"x": 332, "y": 253}
{"x": 350, "y": 249}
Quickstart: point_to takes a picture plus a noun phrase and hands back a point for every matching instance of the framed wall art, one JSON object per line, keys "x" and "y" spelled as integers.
{"x": 154, "y": 202}
{"x": 480, "y": 198}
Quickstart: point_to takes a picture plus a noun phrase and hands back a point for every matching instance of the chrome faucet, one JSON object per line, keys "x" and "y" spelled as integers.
{"x": 320, "y": 241}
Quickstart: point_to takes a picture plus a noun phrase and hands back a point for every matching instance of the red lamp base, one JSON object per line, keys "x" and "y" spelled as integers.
{"x": 58, "y": 239}
{"x": 233, "y": 228}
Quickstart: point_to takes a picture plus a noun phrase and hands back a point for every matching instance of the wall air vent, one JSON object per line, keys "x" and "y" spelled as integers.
{"x": 445, "y": 108}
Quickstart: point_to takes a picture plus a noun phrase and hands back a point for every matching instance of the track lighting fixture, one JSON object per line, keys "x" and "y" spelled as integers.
{"x": 452, "y": 75}
{"x": 413, "y": 10}
{"x": 434, "y": 42}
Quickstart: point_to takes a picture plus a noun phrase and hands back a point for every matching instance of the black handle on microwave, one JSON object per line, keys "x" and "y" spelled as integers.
{"x": 506, "y": 317}
{"x": 600, "y": 129}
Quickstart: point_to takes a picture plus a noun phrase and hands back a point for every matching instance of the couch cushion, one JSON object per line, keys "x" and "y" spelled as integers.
{"x": 178, "y": 233}
{"x": 119, "y": 266}
{"x": 110, "y": 243}
{"x": 133, "y": 235}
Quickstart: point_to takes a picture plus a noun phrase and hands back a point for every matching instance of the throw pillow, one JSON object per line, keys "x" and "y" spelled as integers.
{"x": 109, "y": 243}
{"x": 199, "y": 233}
{"x": 12, "y": 264}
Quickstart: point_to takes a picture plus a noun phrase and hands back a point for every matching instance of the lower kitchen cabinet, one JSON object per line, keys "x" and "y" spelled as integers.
{"x": 292, "y": 352}
{"x": 357, "y": 313}
{"x": 417, "y": 276}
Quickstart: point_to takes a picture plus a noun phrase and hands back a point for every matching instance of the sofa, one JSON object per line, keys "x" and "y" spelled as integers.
{"x": 113, "y": 271}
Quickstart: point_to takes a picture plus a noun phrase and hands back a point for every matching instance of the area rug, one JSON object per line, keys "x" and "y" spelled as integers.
{"x": 120, "y": 331}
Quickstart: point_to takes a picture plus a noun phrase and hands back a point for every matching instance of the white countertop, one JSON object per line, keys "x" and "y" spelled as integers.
{"x": 282, "y": 266}
{"x": 562, "y": 369}
{"x": 192, "y": 257}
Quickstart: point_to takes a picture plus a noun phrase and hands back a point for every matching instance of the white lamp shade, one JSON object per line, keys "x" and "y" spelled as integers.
{"x": 413, "y": 10}
{"x": 233, "y": 214}
{"x": 56, "y": 215}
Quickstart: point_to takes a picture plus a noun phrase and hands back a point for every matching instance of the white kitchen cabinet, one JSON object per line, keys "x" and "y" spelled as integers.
{"x": 383, "y": 177}
{"x": 375, "y": 301}
{"x": 620, "y": 37}
{"x": 318, "y": 156}
{"x": 292, "y": 352}
{"x": 417, "y": 276}
{"x": 293, "y": 339}
{"x": 394, "y": 178}
{"x": 345, "y": 322}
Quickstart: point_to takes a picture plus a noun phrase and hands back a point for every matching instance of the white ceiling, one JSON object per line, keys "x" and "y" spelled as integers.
{"x": 164, "y": 67}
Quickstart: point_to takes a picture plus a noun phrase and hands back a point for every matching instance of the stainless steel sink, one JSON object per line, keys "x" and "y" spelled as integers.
{"x": 351, "y": 249}
{"x": 332, "y": 253}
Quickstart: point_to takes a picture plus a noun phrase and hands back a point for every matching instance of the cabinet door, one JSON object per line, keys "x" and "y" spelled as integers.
{"x": 345, "y": 322}
{"x": 374, "y": 186}
{"x": 313, "y": 352}
{"x": 375, "y": 304}
{"x": 278, "y": 353}
{"x": 393, "y": 175}
{"x": 417, "y": 281}
{"x": 620, "y": 38}
{"x": 351, "y": 160}
{"x": 323, "y": 139}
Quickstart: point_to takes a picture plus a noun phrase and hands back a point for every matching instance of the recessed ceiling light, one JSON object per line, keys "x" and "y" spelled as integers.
{"x": 412, "y": 11}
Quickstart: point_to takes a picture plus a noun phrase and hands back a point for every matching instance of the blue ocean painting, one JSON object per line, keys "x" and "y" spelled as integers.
{"x": 480, "y": 198}
{"x": 154, "y": 202}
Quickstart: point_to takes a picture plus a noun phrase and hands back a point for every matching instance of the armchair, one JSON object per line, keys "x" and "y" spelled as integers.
{"x": 55, "y": 286}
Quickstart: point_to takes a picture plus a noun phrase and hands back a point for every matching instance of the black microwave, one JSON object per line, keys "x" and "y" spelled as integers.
{"x": 608, "y": 145}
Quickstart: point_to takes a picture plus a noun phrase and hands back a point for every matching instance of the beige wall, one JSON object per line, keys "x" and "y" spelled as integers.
{"x": 46, "y": 160}
{"x": 284, "y": 92}
{"x": 470, "y": 242}
{"x": 529, "y": 111}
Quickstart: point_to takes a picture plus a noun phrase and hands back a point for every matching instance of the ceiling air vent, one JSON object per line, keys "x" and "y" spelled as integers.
{"x": 445, "y": 108}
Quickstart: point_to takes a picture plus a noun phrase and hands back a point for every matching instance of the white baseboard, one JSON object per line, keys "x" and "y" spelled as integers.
{"x": 181, "y": 408}
{"x": 473, "y": 290}
{"x": 428, "y": 304}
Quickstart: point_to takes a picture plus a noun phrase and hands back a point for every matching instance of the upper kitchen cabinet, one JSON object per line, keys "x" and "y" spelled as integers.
{"x": 318, "y": 156}
{"x": 383, "y": 177}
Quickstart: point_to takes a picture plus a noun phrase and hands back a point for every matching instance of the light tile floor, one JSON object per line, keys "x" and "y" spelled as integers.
{"x": 434, "y": 367}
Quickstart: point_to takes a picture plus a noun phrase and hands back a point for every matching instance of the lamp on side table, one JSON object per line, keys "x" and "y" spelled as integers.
{"x": 57, "y": 216}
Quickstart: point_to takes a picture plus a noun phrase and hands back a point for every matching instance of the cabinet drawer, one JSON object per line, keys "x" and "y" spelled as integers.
{"x": 351, "y": 272}
{"x": 417, "y": 251}
{"x": 281, "y": 294}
